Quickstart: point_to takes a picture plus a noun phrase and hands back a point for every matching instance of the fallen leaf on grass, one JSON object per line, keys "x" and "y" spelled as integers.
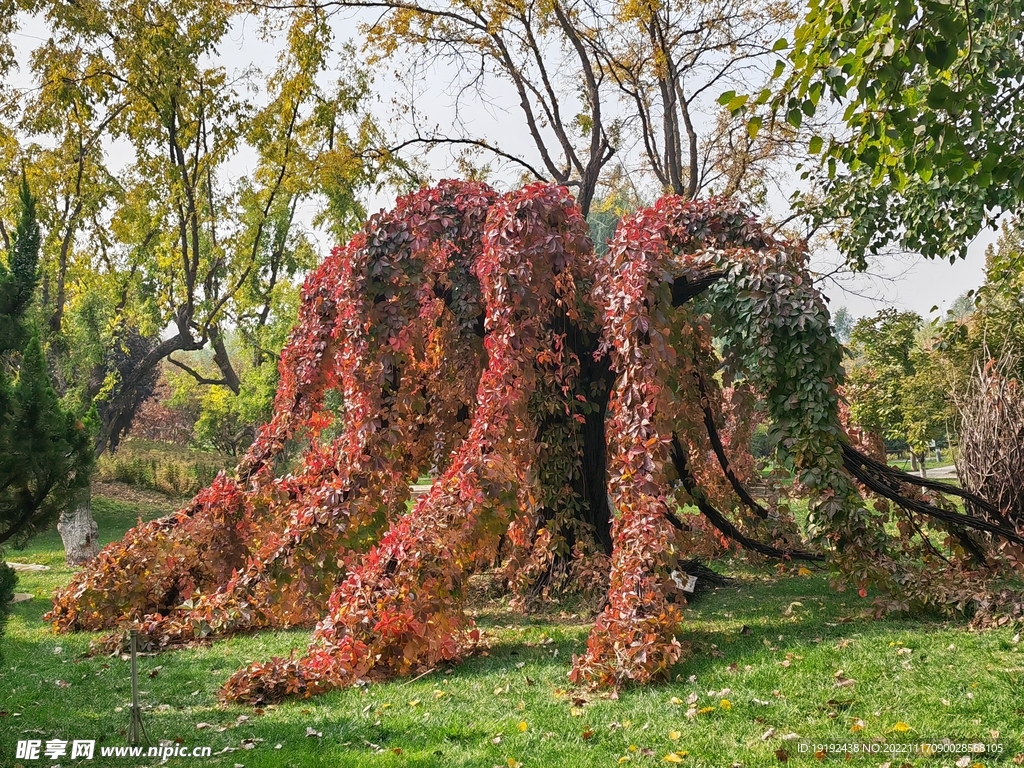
{"x": 767, "y": 734}
{"x": 845, "y": 682}
{"x": 674, "y": 735}
{"x": 312, "y": 733}
{"x": 781, "y": 755}
{"x": 671, "y": 757}
{"x": 725, "y": 704}
{"x": 840, "y": 703}
{"x": 523, "y": 726}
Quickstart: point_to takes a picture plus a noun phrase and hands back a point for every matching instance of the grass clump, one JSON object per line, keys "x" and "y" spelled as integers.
{"x": 162, "y": 467}
{"x": 779, "y": 660}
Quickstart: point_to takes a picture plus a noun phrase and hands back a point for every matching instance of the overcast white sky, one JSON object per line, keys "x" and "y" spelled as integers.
{"x": 910, "y": 282}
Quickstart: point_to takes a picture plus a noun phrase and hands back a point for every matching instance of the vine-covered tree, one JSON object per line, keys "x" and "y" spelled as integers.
{"x": 45, "y": 452}
{"x": 482, "y": 328}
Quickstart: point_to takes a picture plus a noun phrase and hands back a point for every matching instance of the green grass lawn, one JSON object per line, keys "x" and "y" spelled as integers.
{"x": 777, "y": 658}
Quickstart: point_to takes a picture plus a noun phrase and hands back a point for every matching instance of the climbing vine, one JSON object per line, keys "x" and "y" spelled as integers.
{"x": 582, "y": 427}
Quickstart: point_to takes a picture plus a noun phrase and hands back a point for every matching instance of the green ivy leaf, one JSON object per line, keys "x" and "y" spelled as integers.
{"x": 736, "y": 103}
{"x": 940, "y": 96}
{"x": 754, "y": 126}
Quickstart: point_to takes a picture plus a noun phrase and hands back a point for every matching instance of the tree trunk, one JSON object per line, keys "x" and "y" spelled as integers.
{"x": 593, "y": 487}
{"x": 921, "y": 461}
{"x": 78, "y": 531}
{"x": 591, "y": 484}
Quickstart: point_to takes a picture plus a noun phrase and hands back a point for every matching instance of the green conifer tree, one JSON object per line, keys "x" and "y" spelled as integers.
{"x": 45, "y": 451}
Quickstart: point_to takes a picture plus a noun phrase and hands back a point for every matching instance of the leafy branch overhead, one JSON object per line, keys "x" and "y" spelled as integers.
{"x": 930, "y": 144}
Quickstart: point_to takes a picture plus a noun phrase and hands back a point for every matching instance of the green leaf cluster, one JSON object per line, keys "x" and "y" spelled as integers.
{"x": 931, "y": 145}
{"x": 899, "y": 387}
{"x": 990, "y": 321}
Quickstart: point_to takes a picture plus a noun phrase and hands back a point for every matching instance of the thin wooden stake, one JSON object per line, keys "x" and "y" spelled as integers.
{"x": 136, "y": 730}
